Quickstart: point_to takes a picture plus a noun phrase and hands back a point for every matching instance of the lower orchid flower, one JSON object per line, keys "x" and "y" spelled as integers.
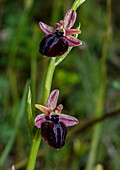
{"x": 52, "y": 122}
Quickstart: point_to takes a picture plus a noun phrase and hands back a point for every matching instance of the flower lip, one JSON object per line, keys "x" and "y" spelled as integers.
{"x": 53, "y": 46}
{"x": 54, "y": 133}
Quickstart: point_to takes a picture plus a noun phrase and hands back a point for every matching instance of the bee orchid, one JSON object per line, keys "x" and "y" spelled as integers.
{"x": 59, "y": 38}
{"x": 52, "y": 122}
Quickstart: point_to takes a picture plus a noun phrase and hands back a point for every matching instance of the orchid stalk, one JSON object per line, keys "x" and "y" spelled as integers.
{"x": 52, "y": 115}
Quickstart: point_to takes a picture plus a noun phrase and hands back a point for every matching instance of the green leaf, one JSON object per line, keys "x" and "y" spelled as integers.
{"x": 29, "y": 113}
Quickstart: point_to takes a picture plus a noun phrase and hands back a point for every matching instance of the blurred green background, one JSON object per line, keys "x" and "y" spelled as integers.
{"x": 78, "y": 78}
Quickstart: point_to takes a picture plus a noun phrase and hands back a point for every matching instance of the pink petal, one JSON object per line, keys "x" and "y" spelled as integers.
{"x": 13, "y": 167}
{"x": 39, "y": 119}
{"x": 71, "y": 32}
{"x": 59, "y": 108}
{"x": 57, "y": 25}
{"x": 52, "y": 99}
{"x": 62, "y": 22}
{"x": 68, "y": 120}
{"x": 69, "y": 18}
{"x": 43, "y": 109}
{"x": 46, "y": 28}
{"x": 72, "y": 41}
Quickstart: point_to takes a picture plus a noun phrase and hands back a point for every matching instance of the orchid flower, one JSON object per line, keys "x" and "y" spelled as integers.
{"x": 59, "y": 38}
{"x": 52, "y": 122}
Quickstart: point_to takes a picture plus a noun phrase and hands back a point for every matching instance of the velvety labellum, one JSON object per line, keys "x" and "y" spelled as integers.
{"x": 54, "y": 132}
{"x": 53, "y": 45}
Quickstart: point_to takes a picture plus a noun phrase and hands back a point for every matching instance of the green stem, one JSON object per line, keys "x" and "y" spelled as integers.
{"x": 34, "y": 151}
{"x": 77, "y": 3}
{"x": 48, "y": 80}
{"x": 37, "y": 139}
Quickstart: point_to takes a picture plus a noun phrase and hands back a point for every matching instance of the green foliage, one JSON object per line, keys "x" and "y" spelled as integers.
{"x": 78, "y": 78}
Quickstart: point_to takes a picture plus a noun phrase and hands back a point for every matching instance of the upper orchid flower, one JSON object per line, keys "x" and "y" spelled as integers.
{"x": 57, "y": 39}
{"x": 52, "y": 122}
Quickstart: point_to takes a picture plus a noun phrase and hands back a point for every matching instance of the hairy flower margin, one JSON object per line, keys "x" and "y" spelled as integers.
{"x": 59, "y": 36}
{"x": 52, "y": 122}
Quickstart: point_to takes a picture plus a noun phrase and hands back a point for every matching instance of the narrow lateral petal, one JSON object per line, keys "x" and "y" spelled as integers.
{"x": 57, "y": 25}
{"x": 52, "y": 99}
{"x": 39, "y": 120}
{"x": 69, "y": 18}
{"x": 72, "y": 41}
{"x": 68, "y": 120}
{"x": 46, "y": 28}
{"x": 43, "y": 109}
{"x": 71, "y": 32}
{"x": 59, "y": 108}
{"x": 62, "y": 22}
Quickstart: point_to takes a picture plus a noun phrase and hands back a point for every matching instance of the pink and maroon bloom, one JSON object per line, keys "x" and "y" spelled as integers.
{"x": 59, "y": 38}
{"x": 52, "y": 122}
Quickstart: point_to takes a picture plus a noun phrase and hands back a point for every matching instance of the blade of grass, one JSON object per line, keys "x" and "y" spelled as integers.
{"x": 14, "y": 48}
{"x": 55, "y": 11}
{"x": 16, "y": 126}
{"x": 33, "y": 66}
{"x": 100, "y": 102}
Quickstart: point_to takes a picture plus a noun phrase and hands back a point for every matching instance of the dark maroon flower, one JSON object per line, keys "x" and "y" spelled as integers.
{"x": 58, "y": 39}
{"x": 53, "y": 123}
